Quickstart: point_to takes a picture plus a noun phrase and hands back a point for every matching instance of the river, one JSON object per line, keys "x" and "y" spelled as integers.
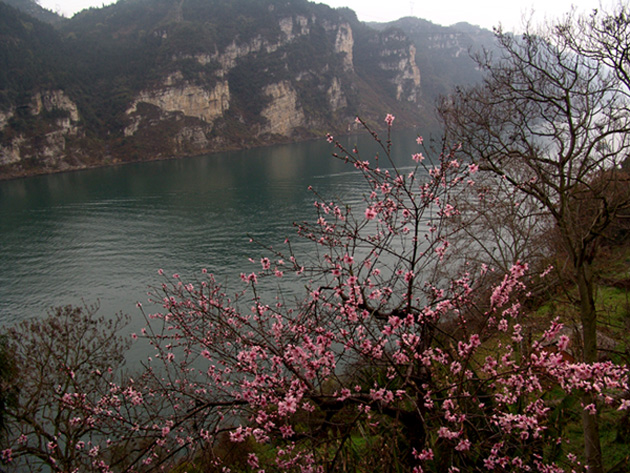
{"x": 101, "y": 235}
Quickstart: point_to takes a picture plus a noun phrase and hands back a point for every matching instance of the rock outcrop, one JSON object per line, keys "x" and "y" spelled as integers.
{"x": 179, "y": 97}
{"x": 283, "y": 114}
{"x": 44, "y": 127}
{"x": 344, "y": 44}
{"x": 398, "y": 55}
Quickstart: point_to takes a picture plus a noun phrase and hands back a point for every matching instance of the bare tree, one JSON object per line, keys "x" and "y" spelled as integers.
{"x": 602, "y": 36}
{"x": 553, "y": 124}
{"x": 61, "y": 361}
{"x": 497, "y": 226}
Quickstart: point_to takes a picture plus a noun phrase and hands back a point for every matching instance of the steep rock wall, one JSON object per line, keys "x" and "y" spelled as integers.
{"x": 48, "y": 121}
{"x": 176, "y": 96}
{"x": 344, "y": 44}
{"x": 399, "y": 56}
{"x": 283, "y": 114}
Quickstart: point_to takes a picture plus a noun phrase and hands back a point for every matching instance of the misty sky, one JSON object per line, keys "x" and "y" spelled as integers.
{"x": 486, "y": 13}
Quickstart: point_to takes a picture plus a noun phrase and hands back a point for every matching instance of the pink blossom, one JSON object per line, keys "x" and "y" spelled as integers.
{"x": 268, "y": 362}
{"x": 286, "y": 431}
{"x": 345, "y": 394}
{"x": 563, "y": 342}
{"x": 240, "y": 434}
{"x": 546, "y": 271}
{"x": 382, "y": 394}
{"x": 463, "y": 445}
{"x": 502, "y": 292}
{"x": 252, "y": 460}
{"x": 287, "y": 406}
{"x": 445, "y": 433}
{"x": 389, "y": 119}
{"x": 75, "y": 421}
{"x": 6, "y": 455}
{"x": 370, "y": 213}
{"x": 424, "y": 454}
{"x": 441, "y": 251}
{"x": 591, "y": 409}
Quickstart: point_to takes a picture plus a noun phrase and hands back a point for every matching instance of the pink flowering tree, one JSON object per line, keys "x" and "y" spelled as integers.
{"x": 386, "y": 362}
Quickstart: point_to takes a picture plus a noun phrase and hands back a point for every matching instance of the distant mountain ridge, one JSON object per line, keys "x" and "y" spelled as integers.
{"x": 151, "y": 79}
{"x": 444, "y": 52}
{"x": 33, "y": 9}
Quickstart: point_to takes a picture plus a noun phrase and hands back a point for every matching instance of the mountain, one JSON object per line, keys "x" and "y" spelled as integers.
{"x": 152, "y": 79}
{"x": 444, "y": 53}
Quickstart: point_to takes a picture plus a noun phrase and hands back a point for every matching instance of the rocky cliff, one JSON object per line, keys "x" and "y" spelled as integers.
{"x": 52, "y": 120}
{"x": 150, "y": 79}
{"x": 444, "y": 54}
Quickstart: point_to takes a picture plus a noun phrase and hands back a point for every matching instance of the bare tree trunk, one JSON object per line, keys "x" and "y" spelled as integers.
{"x": 590, "y": 422}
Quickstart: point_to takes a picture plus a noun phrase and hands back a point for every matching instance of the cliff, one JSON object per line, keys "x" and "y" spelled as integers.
{"x": 152, "y": 79}
{"x": 443, "y": 53}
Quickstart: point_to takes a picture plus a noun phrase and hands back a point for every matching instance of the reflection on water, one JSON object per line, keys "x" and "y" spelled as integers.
{"x": 102, "y": 234}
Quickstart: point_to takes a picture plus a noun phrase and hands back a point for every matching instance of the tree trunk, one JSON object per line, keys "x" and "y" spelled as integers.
{"x": 590, "y": 422}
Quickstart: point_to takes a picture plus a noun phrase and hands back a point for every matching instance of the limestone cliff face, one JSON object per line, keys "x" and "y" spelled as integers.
{"x": 50, "y": 119}
{"x": 177, "y": 96}
{"x": 5, "y": 117}
{"x": 282, "y": 111}
{"x": 291, "y": 27}
{"x": 408, "y": 80}
{"x": 443, "y": 53}
{"x": 336, "y": 98}
{"x": 344, "y": 44}
{"x": 54, "y": 99}
{"x": 11, "y": 153}
{"x": 234, "y": 51}
{"x": 399, "y": 56}
{"x": 283, "y": 114}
